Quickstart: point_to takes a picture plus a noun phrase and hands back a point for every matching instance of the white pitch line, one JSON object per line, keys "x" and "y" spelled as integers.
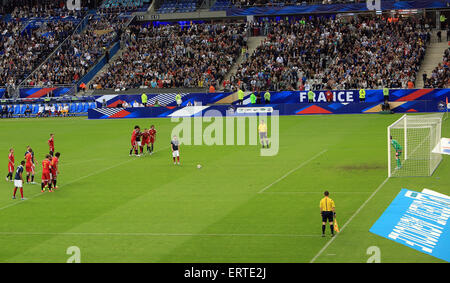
{"x": 82, "y": 161}
{"x": 293, "y": 170}
{"x": 286, "y": 193}
{"x": 349, "y": 220}
{"x": 153, "y": 234}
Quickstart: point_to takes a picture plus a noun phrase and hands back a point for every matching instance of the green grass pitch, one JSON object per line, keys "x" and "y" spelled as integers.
{"x": 117, "y": 208}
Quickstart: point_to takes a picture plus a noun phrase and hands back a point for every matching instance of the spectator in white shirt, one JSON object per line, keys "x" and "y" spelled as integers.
{"x": 41, "y": 110}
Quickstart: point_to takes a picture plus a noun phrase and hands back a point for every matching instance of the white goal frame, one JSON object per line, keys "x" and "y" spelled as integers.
{"x": 412, "y": 124}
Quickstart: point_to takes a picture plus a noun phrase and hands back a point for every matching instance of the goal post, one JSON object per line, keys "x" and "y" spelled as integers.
{"x": 413, "y": 140}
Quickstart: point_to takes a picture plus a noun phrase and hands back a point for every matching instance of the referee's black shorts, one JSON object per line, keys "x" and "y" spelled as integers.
{"x": 327, "y": 215}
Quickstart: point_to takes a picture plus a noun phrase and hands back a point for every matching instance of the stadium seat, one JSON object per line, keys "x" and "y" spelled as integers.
{"x": 79, "y": 107}
{"x": 85, "y": 107}
{"x": 72, "y": 108}
{"x": 35, "y": 109}
{"x": 23, "y": 107}
{"x": 16, "y": 109}
{"x": 58, "y": 106}
{"x": 122, "y": 3}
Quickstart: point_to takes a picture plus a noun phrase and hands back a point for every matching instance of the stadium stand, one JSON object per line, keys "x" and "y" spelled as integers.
{"x": 170, "y": 56}
{"x": 440, "y": 77}
{"x": 299, "y": 54}
{"x": 324, "y": 53}
{"x": 23, "y": 50}
{"x": 178, "y": 6}
{"x": 38, "y": 9}
{"x": 80, "y": 52}
{"x": 226, "y": 4}
{"x": 261, "y": 3}
{"x": 124, "y": 5}
{"x": 221, "y": 5}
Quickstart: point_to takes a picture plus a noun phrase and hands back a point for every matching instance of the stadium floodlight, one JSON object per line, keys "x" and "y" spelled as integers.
{"x": 412, "y": 138}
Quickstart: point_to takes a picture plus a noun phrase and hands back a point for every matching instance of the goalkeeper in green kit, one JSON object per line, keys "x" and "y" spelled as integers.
{"x": 398, "y": 152}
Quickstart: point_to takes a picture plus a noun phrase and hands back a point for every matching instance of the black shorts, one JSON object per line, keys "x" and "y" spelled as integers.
{"x": 327, "y": 215}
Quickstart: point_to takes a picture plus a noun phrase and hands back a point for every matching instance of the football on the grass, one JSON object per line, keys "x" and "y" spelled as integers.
{"x": 199, "y": 166}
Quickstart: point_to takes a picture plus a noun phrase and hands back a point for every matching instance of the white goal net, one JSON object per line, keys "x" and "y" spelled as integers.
{"x": 411, "y": 140}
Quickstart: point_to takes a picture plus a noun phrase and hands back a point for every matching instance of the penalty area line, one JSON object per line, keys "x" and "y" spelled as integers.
{"x": 293, "y": 170}
{"x": 349, "y": 220}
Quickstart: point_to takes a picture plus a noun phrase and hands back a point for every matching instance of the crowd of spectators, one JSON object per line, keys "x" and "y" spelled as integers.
{"x": 278, "y": 3}
{"x": 120, "y": 6}
{"x": 79, "y": 52}
{"x": 44, "y": 8}
{"x": 440, "y": 76}
{"x": 20, "y": 9}
{"x": 22, "y": 51}
{"x": 169, "y": 56}
{"x": 262, "y": 3}
{"x": 108, "y": 21}
{"x": 332, "y": 54}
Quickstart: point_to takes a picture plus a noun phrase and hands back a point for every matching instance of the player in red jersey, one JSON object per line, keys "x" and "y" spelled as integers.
{"x": 145, "y": 141}
{"x": 134, "y": 136}
{"x": 10, "y": 165}
{"x": 51, "y": 144}
{"x": 29, "y": 165}
{"x": 54, "y": 169}
{"x": 152, "y": 133}
{"x": 46, "y": 178}
{"x": 33, "y": 166}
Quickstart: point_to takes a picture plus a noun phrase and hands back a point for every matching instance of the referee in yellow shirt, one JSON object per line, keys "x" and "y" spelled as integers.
{"x": 327, "y": 211}
{"x": 262, "y": 129}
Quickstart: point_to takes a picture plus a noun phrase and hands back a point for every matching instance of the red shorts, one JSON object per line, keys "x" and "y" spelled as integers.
{"x": 46, "y": 176}
{"x": 133, "y": 143}
{"x": 10, "y": 167}
{"x": 29, "y": 168}
{"x": 146, "y": 141}
{"x": 54, "y": 174}
{"x": 52, "y": 149}
{"x": 152, "y": 140}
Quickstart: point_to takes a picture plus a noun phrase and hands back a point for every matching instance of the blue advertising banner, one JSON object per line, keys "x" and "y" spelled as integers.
{"x": 342, "y": 96}
{"x": 279, "y": 97}
{"x": 37, "y": 92}
{"x": 282, "y": 108}
{"x": 419, "y": 221}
